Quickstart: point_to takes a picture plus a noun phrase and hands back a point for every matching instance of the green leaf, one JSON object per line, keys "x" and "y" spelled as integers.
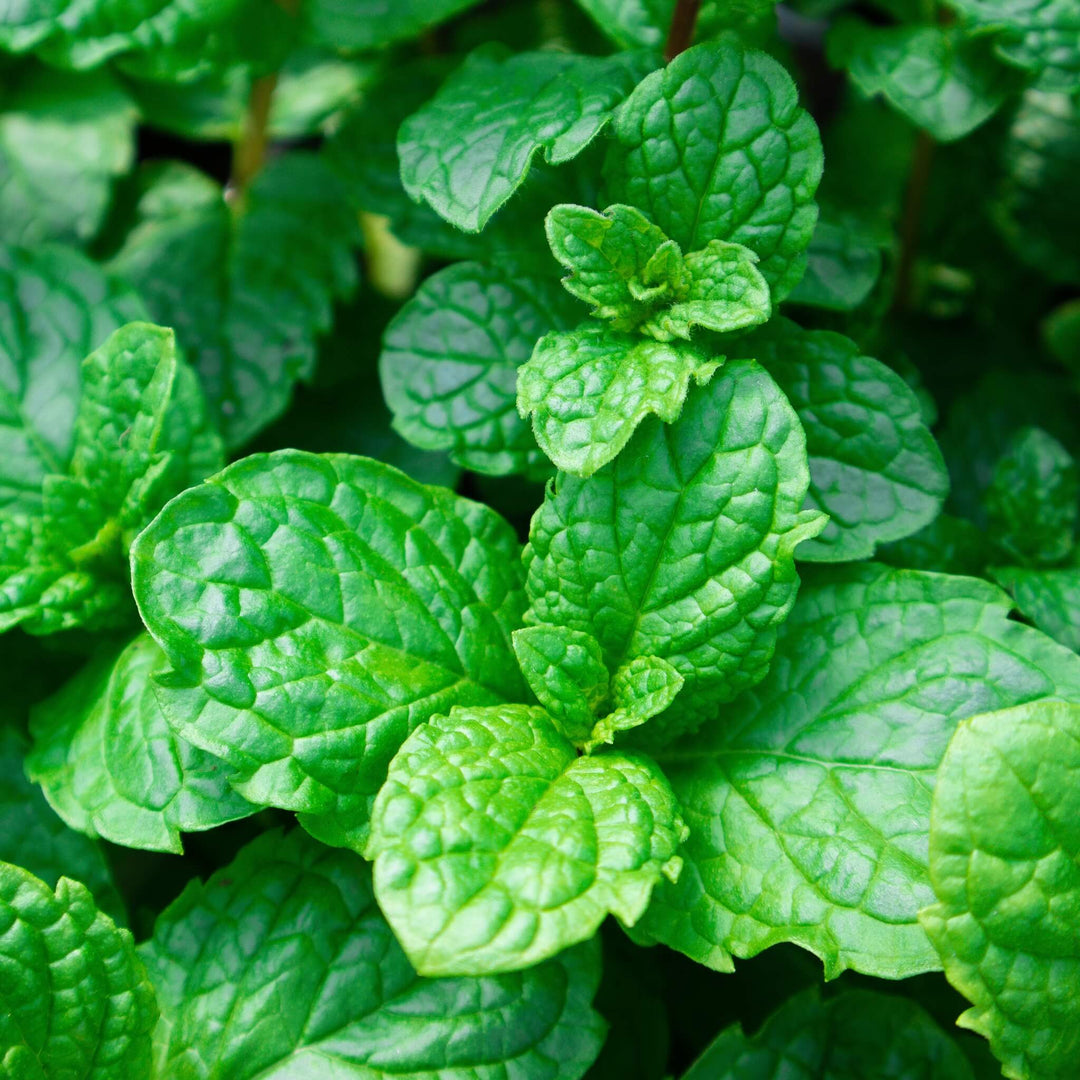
{"x": 565, "y": 670}
{"x": 110, "y": 765}
{"x": 288, "y": 945}
{"x": 496, "y": 847}
{"x": 644, "y": 23}
{"x": 683, "y": 548}
{"x": 843, "y": 262}
{"x": 853, "y": 1036}
{"x": 942, "y": 80}
{"x": 588, "y": 389}
{"x": 874, "y": 466}
{"x": 1049, "y": 598}
{"x": 76, "y": 998}
{"x": 359, "y": 25}
{"x": 247, "y": 290}
{"x": 948, "y": 545}
{"x": 715, "y": 147}
{"x": 641, "y": 689}
{"x": 315, "y": 610}
{"x": 450, "y": 359}
{"x": 63, "y": 140}
{"x": 1005, "y": 865}
{"x": 470, "y": 147}
{"x": 1033, "y": 502}
{"x": 66, "y": 307}
{"x": 809, "y": 805}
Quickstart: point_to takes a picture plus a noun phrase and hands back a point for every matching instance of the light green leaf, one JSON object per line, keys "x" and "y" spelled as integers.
{"x": 644, "y": 23}
{"x": 1005, "y": 865}
{"x": 1049, "y": 598}
{"x": 1033, "y": 502}
{"x": 716, "y": 147}
{"x": 496, "y": 847}
{"x": 110, "y": 765}
{"x": 287, "y": 943}
{"x": 358, "y": 25}
{"x": 76, "y": 998}
{"x": 450, "y": 358}
{"x": 855, "y": 1035}
{"x": 565, "y": 670}
{"x": 470, "y": 147}
{"x": 247, "y": 289}
{"x": 843, "y": 262}
{"x": 315, "y": 610}
{"x": 942, "y": 80}
{"x": 588, "y": 389}
{"x": 641, "y": 689}
{"x": 875, "y": 469}
{"x": 683, "y": 548}
{"x": 809, "y": 803}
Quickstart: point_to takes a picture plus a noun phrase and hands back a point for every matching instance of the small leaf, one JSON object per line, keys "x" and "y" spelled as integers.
{"x": 641, "y": 689}
{"x": 1049, "y": 598}
{"x": 588, "y": 389}
{"x": 843, "y": 262}
{"x": 1005, "y": 865}
{"x": 495, "y": 846}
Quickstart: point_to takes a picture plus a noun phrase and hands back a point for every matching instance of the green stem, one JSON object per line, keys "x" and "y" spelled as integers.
{"x": 681, "y": 33}
{"x": 249, "y": 153}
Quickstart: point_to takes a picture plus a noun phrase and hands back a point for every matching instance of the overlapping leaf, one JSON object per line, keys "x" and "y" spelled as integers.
{"x": 1049, "y": 598}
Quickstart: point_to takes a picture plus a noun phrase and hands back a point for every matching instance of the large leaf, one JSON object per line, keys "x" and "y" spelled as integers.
{"x": 496, "y": 846}
{"x": 282, "y": 966}
{"x": 76, "y": 998}
{"x": 247, "y": 289}
{"x": 808, "y": 801}
{"x": 1005, "y": 865}
{"x": 683, "y": 547}
{"x": 316, "y": 609}
{"x": 1049, "y": 598}
{"x": 716, "y": 147}
{"x": 874, "y": 466}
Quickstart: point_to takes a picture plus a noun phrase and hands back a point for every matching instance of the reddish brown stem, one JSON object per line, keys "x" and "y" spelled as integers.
{"x": 250, "y": 151}
{"x": 918, "y": 182}
{"x": 681, "y": 33}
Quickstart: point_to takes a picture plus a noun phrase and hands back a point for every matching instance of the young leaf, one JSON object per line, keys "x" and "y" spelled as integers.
{"x": 874, "y": 466}
{"x": 469, "y": 149}
{"x": 640, "y": 690}
{"x": 496, "y": 847}
{"x": 715, "y": 147}
{"x": 450, "y": 358}
{"x": 853, "y": 1036}
{"x": 76, "y": 998}
{"x": 250, "y": 291}
{"x": 361, "y": 25}
{"x": 588, "y": 389}
{"x": 683, "y": 548}
{"x": 843, "y": 262}
{"x": 315, "y": 610}
{"x": 111, "y": 766}
{"x": 809, "y": 805}
{"x": 1005, "y": 865}
{"x": 281, "y": 965}
{"x": 1049, "y": 598}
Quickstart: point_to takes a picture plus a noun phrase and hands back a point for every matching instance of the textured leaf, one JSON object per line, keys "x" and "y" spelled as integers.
{"x": 470, "y": 147}
{"x": 316, "y": 609}
{"x": 942, "y": 80}
{"x": 809, "y": 803}
{"x": 715, "y": 147}
{"x": 843, "y": 263}
{"x": 77, "y": 1002}
{"x": 588, "y": 389}
{"x": 496, "y": 847}
{"x": 1049, "y": 598}
{"x": 1005, "y": 865}
{"x": 450, "y": 358}
{"x": 641, "y": 689}
{"x": 683, "y": 548}
{"x": 63, "y": 140}
{"x": 282, "y": 966}
{"x": 357, "y": 25}
{"x": 856, "y": 1035}
{"x": 248, "y": 292}
{"x": 874, "y": 466}
{"x": 111, "y": 766}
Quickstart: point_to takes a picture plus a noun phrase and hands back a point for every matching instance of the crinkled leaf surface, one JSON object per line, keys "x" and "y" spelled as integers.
{"x": 641, "y": 689}
{"x": 843, "y": 262}
{"x": 470, "y": 147}
{"x": 875, "y": 469}
{"x": 315, "y": 610}
{"x": 808, "y": 800}
{"x": 1005, "y": 865}
{"x": 853, "y": 1036}
{"x": 282, "y": 966}
{"x": 683, "y": 548}
{"x": 716, "y": 147}
{"x": 496, "y": 846}
{"x": 248, "y": 291}
{"x": 111, "y": 766}
{"x": 77, "y": 1002}
{"x": 450, "y": 358}
{"x": 1049, "y": 598}
{"x": 588, "y": 389}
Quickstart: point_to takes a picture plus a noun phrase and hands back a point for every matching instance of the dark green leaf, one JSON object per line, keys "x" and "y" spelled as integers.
{"x": 1049, "y": 598}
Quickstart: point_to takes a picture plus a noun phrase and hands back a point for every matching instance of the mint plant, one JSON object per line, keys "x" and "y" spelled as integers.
{"x": 536, "y": 536}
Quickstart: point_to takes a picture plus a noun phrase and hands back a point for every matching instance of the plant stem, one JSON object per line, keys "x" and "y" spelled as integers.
{"x": 681, "y": 33}
{"x": 250, "y": 152}
{"x": 918, "y": 181}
